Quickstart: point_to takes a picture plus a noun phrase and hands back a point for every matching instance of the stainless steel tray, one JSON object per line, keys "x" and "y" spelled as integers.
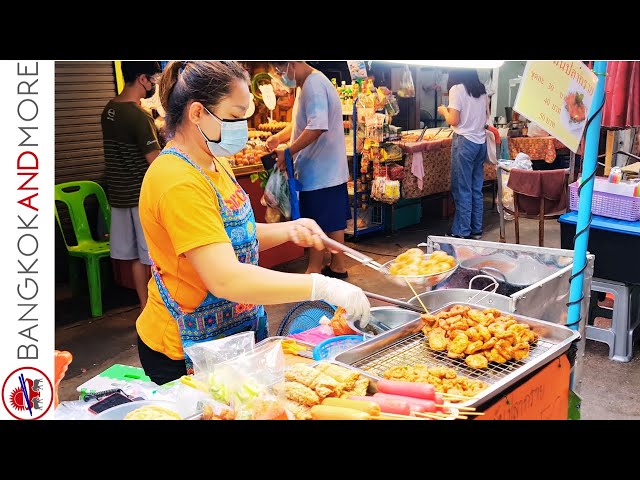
{"x": 407, "y": 345}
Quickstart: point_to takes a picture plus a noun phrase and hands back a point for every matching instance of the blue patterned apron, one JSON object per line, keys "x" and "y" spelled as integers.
{"x": 216, "y": 317}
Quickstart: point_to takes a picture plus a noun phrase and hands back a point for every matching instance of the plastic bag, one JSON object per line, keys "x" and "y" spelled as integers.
{"x": 255, "y": 382}
{"x": 276, "y": 193}
{"x": 385, "y": 190}
{"x": 206, "y": 355}
{"x": 522, "y": 162}
{"x": 406, "y": 89}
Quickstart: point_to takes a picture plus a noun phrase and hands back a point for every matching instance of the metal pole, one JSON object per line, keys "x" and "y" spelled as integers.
{"x": 589, "y": 163}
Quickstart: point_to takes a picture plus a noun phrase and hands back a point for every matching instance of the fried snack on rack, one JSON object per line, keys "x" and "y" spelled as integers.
{"x": 462, "y": 330}
{"x": 520, "y": 351}
{"x": 437, "y": 339}
{"x": 301, "y": 394}
{"x": 300, "y": 412}
{"x": 324, "y": 385}
{"x": 477, "y": 361}
{"x": 444, "y": 379}
{"x": 342, "y": 375}
{"x": 459, "y": 343}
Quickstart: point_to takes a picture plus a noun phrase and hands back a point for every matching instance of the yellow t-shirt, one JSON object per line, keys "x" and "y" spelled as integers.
{"x": 179, "y": 211}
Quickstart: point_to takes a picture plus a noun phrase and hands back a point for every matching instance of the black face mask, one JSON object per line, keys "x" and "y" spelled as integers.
{"x": 151, "y": 92}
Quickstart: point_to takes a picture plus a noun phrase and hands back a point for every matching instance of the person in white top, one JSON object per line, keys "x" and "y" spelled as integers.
{"x": 467, "y": 114}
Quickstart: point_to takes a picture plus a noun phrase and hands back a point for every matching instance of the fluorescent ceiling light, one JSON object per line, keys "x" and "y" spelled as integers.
{"x": 453, "y": 63}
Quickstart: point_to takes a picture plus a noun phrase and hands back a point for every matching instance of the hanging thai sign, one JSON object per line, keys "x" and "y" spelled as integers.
{"x": 557, "y": 96}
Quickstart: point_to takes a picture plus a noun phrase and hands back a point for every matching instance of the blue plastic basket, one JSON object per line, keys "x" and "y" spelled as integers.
{"x": 331, "y": 347}
{"x": 304, "y": 316}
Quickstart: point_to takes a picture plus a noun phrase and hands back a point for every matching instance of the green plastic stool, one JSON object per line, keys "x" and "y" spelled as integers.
{"x": 73, "y": 195}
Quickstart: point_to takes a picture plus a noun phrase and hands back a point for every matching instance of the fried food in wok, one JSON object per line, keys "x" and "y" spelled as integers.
{"x": 413, "y": 262}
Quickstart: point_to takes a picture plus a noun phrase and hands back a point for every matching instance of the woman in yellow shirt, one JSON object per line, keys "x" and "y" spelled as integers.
{"x": 202, "y": 235}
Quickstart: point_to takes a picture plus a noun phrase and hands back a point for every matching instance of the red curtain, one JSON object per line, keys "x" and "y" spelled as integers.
{"x": 622, "y": 93}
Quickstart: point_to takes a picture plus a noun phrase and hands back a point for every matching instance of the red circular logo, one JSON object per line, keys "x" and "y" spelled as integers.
{"x": 27, "y": 393}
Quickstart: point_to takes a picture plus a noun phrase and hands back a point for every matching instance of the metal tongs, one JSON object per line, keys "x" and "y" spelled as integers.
{"x": 356, "y": 255}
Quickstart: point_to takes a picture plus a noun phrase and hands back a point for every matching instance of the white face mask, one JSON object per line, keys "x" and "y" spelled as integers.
{"x": 289, "y": 82}
{"x": 233, "y": 137}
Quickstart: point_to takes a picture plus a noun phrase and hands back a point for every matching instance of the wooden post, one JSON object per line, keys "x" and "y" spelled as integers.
{"x": 608, "y": 159}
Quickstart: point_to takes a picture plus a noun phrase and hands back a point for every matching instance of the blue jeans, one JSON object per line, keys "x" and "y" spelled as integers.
{"x": 467, "y": 177}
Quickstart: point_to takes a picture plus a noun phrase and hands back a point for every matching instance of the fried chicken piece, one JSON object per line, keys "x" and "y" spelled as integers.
{"x": 442, "y": 323}
{"x": 426, "y": 330}
{"x": 504, "y": 318}
{"x": 443, "y": 372}
{"x": 473, "y": 334}
{"x": 477, "y": 361}
{"x": 518, "y": 327}
{"x": 434, "y": 380}
{"x": 300, "y": 412}
{"x": 496, "y": 328}
{"x": 520, "y": 351}
{"x": 301, "y": 394}
{"x": 459, "y": 344}
{"x": 503, "y": 347}
{"x": 486, "y": 353}
{"x": 397, "y": 373}
{"x": 460, "y": 325}
{"x": 456, "y": 391}
{"x": 428, "y": 319}
{"x": 454, "y": 355}
{"x": 508, "y": 323}
{"x": 342, "y": 375}
{"x": 492, "y": 311}
{"x": 527, "y": 336}
{"x": 489, "y": 344}
{"x": 453, "y": 319}
{"x": 455, "y": 310}
{"x": 437, "y": 340}
{"x": 484, "y": 332}
{"x": 474, "y": 347}
{"x": 507, "y": 336}
{"x": 477, "y": 316}
{"x": 494, "y": 356}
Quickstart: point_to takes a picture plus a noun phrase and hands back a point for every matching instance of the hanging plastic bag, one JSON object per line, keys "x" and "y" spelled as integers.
{"x": 406, "y": 89}
{"x": 276, "y": 194}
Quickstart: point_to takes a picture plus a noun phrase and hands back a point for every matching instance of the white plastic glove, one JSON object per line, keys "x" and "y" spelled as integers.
{"x": 342, "y": 294}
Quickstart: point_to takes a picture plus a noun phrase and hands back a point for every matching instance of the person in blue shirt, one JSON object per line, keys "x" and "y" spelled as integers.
{"x": 316, "y": 136}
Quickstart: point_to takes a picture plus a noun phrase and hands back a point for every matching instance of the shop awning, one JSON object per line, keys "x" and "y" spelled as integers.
{"x": 622, "y": 93}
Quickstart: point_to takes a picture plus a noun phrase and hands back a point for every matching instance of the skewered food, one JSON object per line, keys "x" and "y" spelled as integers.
{"x": 443, "y": 379}
{"x": 488, "y": 335}
{"x": 307, "y": 386}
